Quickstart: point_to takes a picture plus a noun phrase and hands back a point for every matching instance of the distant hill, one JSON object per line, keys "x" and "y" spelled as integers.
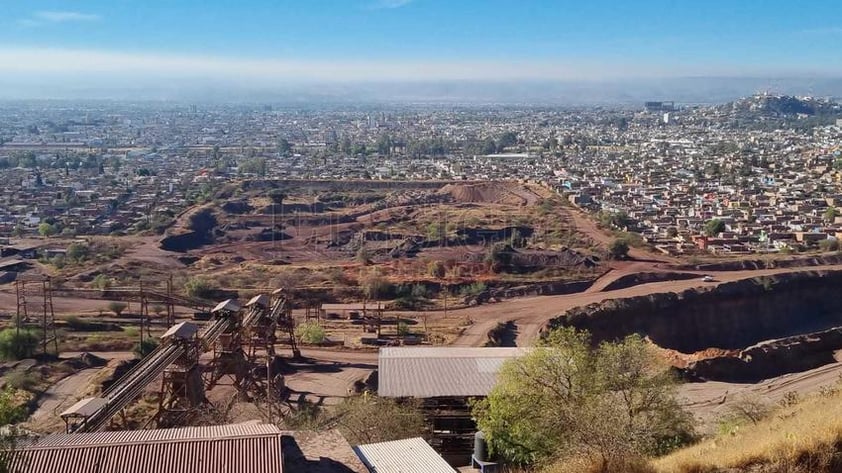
{"x": 781, "y": 106}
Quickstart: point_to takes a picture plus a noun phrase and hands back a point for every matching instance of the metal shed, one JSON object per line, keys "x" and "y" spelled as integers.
{"x": 402, "y": 456}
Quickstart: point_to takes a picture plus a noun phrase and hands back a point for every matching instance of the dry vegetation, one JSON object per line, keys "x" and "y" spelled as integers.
{"x": 801, "y": 437}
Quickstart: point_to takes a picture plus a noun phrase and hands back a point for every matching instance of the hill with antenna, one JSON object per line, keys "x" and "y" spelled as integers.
{"x": 781, "y": 106}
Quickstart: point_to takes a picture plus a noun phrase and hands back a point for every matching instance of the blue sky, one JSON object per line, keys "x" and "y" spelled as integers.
{"x": 421, "y": 39}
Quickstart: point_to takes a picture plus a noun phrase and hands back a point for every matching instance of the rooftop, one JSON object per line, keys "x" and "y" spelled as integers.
{"x": 424, "y": 372}
{"x": 402, "y": 456}
{"x": 253, "y": 448}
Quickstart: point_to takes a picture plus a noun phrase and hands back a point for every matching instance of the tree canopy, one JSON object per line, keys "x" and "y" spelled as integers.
{"x": 567, "y": 398}
{"x": 618, "y": 249}
{"x": 714, "y": 227}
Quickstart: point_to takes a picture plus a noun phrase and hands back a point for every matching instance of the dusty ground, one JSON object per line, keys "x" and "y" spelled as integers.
{"x": 330, "y": 375}
{"x": 59, "y": 397}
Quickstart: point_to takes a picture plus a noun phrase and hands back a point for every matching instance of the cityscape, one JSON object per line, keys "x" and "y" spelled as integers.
{"x": 418, "y": 236}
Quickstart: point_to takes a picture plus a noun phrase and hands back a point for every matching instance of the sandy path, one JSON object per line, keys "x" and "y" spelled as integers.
{"x": 710, "y": 401}
{"x": 60, "y": 396}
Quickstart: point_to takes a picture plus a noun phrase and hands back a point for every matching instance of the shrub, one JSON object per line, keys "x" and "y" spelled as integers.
{"x": 198, "y": 287}
{"x": 618, "y": 249}
{"x": 310, "y": 333}
{"x": 117, "y": 308}
{"x": 829, "y": 245}
{"x": 474, "y": 289}
{"x": 21, "y": 380}
{"x": 145, "y": 347}
{"x": 17, "y": 344}
{"x": 101, "y": 282}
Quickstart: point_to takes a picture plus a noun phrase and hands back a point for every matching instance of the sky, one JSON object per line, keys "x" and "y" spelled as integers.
{"x": 48, "y": 43}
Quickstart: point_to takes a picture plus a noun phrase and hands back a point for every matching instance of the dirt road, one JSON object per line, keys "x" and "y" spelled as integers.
{"x": 712, "y": 400}
{"x": 59, "y": 397}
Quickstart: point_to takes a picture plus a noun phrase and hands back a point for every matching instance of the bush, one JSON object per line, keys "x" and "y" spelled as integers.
{"x": 145, "y": 347}
{"x": 101, "y": 282}
{"x": 10, "y": 409}
{"x": 21, "y": 380}
{"x": 618, "y": 249}
{"x": 198, "y": 287}
{"x": 474, "y": 289}
{"x": 370, "y": 419}
{"x": 117, "y": 308}
{"x": 829, "y": 245}
{"x": 310, "y": 333}
{"x": 17, "y": 344}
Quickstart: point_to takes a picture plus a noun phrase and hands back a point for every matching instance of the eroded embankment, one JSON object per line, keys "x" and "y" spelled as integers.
{"x": 775, "y": 325}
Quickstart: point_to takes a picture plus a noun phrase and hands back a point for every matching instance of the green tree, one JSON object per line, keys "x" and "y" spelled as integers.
{"x": 101, "y": 282}
{"x": 17, "y": 344}
{"x": 830, "y": 214}
{"x": 371, "y": 419}
{"x": 284, "y": 147}
{"x": 256, "y": 166}
{"x": 11, "y": 412}
{"x": 568, "y": 399}
{"x": 47, "y": 230}
{"x": 310, "y": 333}
{"x": 506, "y": 140}
{"x": 618, "y": 249}
{"x": 277, "y": 196}
{"x": 77, "y": 252}
{"x": 145, "y": 347}
{"x": 117, "y": 307}
{"x": 714, "y": 227}
{"x": 198, "y": 287}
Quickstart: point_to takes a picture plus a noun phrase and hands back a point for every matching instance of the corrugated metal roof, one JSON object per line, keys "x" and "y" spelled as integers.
{"x": 424, "y": 372}
{"x": 402, "y": 456}
{"x": 229, "y": 305}
{"x": 261, "y": 299}
{"x": 181, "y": 330}
{"x": 85, "y": 407}
{"x": 213, "y": 432}
{"x": 217, "y": 449}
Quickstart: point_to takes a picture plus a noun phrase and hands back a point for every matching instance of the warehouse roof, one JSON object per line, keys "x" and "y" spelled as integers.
{"x": 402, "y": 456}
{"x": 253, "y": 448}
{"x": 424, "y": 372}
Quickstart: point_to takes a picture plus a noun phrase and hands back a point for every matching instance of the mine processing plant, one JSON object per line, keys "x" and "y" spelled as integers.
{"x": 242, "y": 340}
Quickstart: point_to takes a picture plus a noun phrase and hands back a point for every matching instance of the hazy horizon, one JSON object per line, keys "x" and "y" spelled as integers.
{"x": 428, "y": 50}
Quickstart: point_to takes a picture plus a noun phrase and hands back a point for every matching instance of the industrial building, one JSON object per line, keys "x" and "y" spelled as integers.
{"x": 254, "y": 448}
{"x": 444, "y": 379}
{"x": 234, "y": 448}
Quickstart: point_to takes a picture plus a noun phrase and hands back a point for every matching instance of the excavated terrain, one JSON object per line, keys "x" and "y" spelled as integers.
{"x": 742, "y": 331}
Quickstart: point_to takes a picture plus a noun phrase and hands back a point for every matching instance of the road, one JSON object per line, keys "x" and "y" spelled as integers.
{"x": 710, "y": 401}
{"x": 59, "y": 397}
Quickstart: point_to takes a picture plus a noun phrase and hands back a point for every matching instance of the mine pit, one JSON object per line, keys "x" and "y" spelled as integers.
{"x": 743, "y": 331}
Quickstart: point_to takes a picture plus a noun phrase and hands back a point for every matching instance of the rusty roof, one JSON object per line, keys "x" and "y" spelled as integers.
{"x": 246, "y": 448}
{"x": 424, "y": 372}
